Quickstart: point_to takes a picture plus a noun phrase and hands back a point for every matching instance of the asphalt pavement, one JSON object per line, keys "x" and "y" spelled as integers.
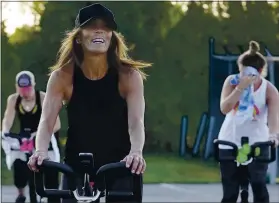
{"x": 169, "y": 193}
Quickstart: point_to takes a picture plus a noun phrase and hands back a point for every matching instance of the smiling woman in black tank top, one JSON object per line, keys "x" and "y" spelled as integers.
{"x": 103, "y": 90}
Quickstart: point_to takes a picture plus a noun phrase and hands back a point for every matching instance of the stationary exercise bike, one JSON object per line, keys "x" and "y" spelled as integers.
{"x": 244, "y": 156}
{"x": 103, "y": 183}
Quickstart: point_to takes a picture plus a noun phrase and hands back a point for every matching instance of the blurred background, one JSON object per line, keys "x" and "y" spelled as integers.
{"x": 193, "y": 46}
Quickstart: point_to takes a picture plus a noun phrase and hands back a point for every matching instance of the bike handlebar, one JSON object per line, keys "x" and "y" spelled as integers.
{"x": 252, "y": 153}
{"x": 119, "y": 168}
{"x": 264, "y": 144}
{"x": 13, "y": 135}
{"x": 39, "y": 180}
{"x": 227, "y": 143}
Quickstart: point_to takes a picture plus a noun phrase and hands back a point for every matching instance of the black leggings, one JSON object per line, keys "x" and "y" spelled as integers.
{"x": 244, "y": 178}
{"x": 24, "y": 176}
{"x": 232, "y": 178}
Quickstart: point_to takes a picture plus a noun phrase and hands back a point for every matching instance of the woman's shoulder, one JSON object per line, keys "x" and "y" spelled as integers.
{"x": 63, "y": 74}
{"x": 130, "y": 76}
{"x": 271, "y": 89}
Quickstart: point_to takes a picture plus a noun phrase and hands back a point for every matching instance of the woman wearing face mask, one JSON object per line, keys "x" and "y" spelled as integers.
{"x": 250, "y": 104}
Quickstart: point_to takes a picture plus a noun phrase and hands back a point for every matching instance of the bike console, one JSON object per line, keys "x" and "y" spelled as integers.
{"x": 87, "y": 162}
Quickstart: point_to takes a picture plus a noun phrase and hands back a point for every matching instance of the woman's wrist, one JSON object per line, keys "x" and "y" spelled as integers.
{"x": 274, "y": 135}
{"x": 39, "y": 151}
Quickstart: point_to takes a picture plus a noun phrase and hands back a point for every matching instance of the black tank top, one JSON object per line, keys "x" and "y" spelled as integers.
{"x": 29, "y": 120}
{"x": 97, "y": 119}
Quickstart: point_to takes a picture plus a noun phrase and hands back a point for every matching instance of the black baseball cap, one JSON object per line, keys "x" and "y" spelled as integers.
{"x": 95, "y": 11}
{"x": 25, "y": 79}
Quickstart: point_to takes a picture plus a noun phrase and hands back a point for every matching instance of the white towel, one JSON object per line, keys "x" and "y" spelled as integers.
{"x": 245, "y": 108}
{"x": 12, "y": 143}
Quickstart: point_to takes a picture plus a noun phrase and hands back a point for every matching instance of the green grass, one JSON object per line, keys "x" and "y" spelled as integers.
{"x": 162, "y": 169}
{"x": 6, "y": 175}
{"x": 172, "y": 169}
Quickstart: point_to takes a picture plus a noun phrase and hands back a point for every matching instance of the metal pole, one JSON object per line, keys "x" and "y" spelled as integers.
{"x": 270, "y": 66}
{"x": 228, "y": 53}
{"x": 272, "y": 167}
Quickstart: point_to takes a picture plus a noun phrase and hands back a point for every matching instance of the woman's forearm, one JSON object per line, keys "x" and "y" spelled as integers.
{"x": 137, "y": 137}
{"x": 273, "y": 123}
{"x": 43, "y": 136}
{"x": 6, "y": 125}
{"x": 230, "y": 101}
{"x": 273, "y": 106}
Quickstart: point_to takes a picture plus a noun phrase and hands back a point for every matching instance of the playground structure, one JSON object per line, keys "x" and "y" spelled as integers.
{"x": 220, "y": 66}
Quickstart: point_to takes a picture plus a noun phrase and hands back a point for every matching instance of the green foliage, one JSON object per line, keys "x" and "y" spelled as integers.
{"x": 158, "y": 32}
{"x": 10, "y": 64}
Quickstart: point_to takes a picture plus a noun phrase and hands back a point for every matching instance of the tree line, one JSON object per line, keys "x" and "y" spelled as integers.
{"x": 174, "y": 40}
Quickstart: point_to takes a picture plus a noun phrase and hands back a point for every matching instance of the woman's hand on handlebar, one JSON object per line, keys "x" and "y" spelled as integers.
{"x": 274, "y": 139}
{"x": 2, "y": 134}
{"x": 136, "y": 162}
{"x": 37, "y": 159}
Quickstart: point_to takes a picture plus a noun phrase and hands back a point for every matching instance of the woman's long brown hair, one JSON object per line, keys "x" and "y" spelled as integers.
{"x": 71, "y": 52}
